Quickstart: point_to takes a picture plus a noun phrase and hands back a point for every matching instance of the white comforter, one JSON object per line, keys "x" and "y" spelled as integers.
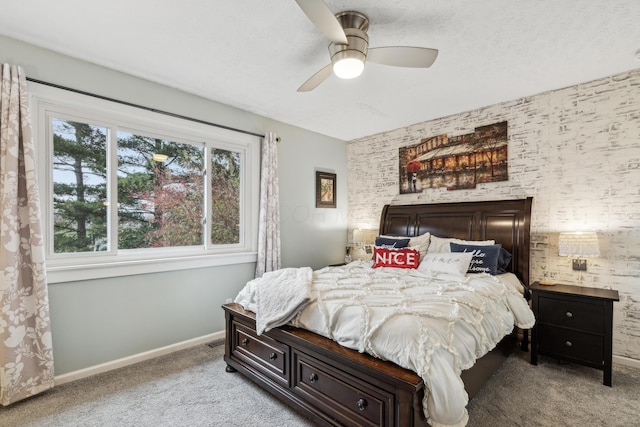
{"x": 434, "y": 324}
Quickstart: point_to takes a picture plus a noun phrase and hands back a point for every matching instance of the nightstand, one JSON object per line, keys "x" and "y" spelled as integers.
{"x": 573, "y": 323}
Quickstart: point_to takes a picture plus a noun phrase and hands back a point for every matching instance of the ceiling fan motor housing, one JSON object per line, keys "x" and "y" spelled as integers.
{"x": 355, "y": 27}
{"x": 357, "y": 47}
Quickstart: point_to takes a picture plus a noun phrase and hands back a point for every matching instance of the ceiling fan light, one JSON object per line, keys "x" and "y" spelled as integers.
{"x": 348, "y": 68}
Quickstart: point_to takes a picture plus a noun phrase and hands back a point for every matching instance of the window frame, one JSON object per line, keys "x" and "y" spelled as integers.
{"x": 47, "y": 101}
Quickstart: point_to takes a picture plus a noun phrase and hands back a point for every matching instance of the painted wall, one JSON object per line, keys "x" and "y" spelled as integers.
{"x": 575, "y": 150}
{"x": 98, "y": 321}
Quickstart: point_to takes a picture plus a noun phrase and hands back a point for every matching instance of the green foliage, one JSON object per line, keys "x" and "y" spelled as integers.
{"x": 80, "y": 159}
{"x": 225, "y": 192}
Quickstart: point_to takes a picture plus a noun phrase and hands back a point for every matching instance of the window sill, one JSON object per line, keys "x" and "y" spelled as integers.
{"x": 72, "y": 273}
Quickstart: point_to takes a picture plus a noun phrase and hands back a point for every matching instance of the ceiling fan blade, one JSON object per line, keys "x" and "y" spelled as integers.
{"x": 318, "y": 12}
{"x": 316, "y": 79}
{"x": 403, "y": 56}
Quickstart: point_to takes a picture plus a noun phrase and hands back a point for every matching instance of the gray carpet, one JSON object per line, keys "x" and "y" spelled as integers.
{"x": 191, "y": 388}
{"x": 556, "y": 394}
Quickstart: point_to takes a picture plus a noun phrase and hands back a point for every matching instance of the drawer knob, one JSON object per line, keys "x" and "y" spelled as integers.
{"x": 313, "y": 377}
{"x": 568, "y": 343}
{"x": 569, "y": 314}
{"x": 362, "y": 404}
{"x": 245, "y": 341}
{"x": 272, "y": 356}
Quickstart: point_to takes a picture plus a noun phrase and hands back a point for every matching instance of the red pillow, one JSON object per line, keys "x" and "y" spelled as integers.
{"x": 399, "y": 258}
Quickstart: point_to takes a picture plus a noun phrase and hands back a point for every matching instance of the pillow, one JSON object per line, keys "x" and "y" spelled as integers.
{"x": 451, "y": 263}
{"x": 504, "y": 261}
{"x": 422, "y": 241}
{"x": 441, "y": 244}
{"x": 392, "y": 242}
{"x": 485, "y": 257}
{"x": 398, "y": 258}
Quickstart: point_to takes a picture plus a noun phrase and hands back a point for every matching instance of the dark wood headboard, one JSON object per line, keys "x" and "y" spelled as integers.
{"x": 505, "y": 221}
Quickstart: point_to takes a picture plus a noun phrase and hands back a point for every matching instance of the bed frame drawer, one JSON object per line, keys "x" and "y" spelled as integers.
{"x": 260, "y": 352}
{"x": 350, "y": 401}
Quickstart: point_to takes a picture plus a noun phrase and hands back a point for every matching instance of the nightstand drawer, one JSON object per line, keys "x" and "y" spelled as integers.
{"x": 572, "y": 314}
{"x": 572, "y": 344}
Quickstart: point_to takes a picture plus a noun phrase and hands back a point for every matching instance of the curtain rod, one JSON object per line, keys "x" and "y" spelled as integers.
{"x": 179, "y": 116}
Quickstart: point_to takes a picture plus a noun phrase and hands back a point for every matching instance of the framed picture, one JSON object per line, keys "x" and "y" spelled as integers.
{"x": 455, "y": 162}
{"x": 325, "y": 190}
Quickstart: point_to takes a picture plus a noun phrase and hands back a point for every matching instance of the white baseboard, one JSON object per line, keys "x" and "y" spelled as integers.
{"x": 627, "y": 361}
{"x": 130, "y": 360}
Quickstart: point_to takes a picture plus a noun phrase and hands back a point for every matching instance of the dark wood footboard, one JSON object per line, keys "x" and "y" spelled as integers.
{"x": 331, "y": 384}
{"x": 324, "y": 381}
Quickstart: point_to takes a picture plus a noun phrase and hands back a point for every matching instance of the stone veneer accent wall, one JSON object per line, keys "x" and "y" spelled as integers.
{"x": 575, "y": 150}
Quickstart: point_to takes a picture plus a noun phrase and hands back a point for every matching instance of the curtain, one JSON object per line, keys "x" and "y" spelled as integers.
{"x": 269, "y": 222}
{"x": 26, "y": 355}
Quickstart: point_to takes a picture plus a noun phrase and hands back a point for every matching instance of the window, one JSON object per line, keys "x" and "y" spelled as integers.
{"x": 126, "y": 191}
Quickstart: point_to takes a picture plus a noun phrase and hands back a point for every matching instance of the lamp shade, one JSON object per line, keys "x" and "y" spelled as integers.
{"x": 579, "y": 244}
{"x": 365, "y": 236}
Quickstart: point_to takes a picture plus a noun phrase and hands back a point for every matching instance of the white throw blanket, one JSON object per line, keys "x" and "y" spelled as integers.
{"x": 277, "y": 296}
{"x": 433, "y": 324}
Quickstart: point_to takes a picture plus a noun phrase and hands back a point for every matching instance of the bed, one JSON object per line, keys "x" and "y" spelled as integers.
{"x": 335, "y": 385}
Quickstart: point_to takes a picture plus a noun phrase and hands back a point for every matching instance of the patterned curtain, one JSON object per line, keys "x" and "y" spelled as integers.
{"x": 269, "y": 225}
{"x": 26, "y": 355}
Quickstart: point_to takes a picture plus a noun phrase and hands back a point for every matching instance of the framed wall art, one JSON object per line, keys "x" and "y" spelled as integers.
{"x": 455, "y": 162}
{"x": 325, "y": 190}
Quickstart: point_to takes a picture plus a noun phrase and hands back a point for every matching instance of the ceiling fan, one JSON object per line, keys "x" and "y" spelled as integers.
{"x": 349, "y": 47}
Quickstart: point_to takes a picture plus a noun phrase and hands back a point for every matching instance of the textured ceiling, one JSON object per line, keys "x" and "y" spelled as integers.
{"x": 254, "y": 54}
